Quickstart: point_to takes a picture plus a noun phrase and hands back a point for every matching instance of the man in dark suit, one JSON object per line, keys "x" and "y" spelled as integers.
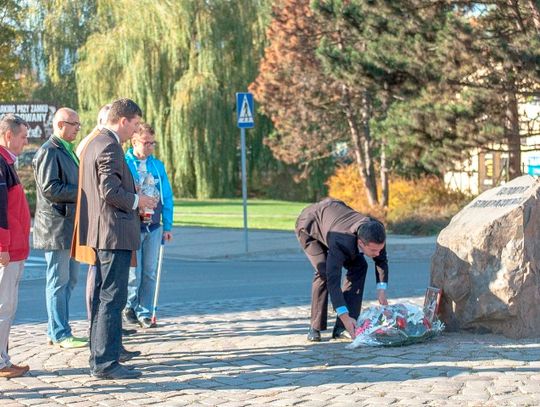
{"x": 334, "y": 236}
{"x": 108, "y": 222}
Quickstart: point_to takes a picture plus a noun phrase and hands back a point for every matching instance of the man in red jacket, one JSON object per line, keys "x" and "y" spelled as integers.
{"x": 14, "y": 233}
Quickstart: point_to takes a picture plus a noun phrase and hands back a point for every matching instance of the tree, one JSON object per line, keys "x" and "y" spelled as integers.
{"x": 488, "y": 61}
{"x": 293, "y": 89}
{"x": 10, "y": 63}
{"x": 414, "y": 83}
{"x": 330, "y": 70}
{"x": 502, "y": 42}
{"x": 182, "y": 62}
{"x": 437, "y": 129}
{"x": 55, "y": 30}
{"x": 381, "y": 52}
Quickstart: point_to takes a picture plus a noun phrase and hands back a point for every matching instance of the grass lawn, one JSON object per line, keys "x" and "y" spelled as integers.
{"x": 228, "y": 213}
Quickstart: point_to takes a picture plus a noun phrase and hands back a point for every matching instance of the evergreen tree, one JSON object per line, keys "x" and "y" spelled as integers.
{"x": 330, "y": 70}
{"x": 488, "y": 58}
{"x": 381, "y": 51}
{"x": 501, "y": 40}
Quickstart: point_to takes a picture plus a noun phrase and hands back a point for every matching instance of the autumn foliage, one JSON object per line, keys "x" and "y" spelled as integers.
{"x": 292, "y": 88}
{"x": 417, "y": 206}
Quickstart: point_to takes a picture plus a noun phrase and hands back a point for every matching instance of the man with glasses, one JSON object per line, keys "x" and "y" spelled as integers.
{"x": 334, "y": 236}
{"x": 56, "y": 170}
{"x": 142, "y": 279}
{"x": 14, "y": 233}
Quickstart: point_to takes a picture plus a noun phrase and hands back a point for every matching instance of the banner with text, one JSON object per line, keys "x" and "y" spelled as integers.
{"x": 38, "y": 115}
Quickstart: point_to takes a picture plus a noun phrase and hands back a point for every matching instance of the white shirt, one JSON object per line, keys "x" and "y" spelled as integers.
{"x": 136, "y": 203}
{"x": 113, "y": 132}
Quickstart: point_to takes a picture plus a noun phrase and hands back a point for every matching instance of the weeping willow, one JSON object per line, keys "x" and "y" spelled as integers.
{"x": 182, "y": 61}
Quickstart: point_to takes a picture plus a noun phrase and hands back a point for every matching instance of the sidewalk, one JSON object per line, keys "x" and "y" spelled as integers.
{"x": 253, "y": 351}
{"x": 230, "y": 243}
{"x": 192, "y": 243}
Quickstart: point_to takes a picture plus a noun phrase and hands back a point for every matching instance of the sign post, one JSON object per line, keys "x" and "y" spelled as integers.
{"x": 244, "y": 120}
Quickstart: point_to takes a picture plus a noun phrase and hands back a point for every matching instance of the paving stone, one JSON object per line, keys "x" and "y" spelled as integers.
{"x": 312, "y": 403}
{"x": 112, "y": 403}
{"x": 233, "y": 404}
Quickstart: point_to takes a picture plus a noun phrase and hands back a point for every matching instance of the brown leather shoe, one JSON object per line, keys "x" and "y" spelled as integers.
{"x": 26, "y": 368}
{"x": 13, "y": 371}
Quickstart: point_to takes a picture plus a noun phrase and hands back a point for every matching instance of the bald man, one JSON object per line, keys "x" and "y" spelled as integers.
{"x": 56, "y": 170}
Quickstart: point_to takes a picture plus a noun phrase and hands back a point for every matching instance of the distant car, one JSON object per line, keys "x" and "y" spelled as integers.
{"x": 25, "y": 158}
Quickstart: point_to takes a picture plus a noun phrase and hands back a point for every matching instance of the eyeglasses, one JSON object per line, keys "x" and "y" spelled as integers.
{"x": 149, "y": 143}
{"x": 77, "y": 124}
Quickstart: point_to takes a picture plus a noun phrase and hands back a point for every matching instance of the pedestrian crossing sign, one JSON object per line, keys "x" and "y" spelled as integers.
{"x": 244, "y": 110}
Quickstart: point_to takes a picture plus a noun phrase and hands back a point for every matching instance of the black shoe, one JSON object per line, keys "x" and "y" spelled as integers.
{"x": 117, "y": 372}
{"x": 147, "y": 323}
{"x": 127, "y": 332}
{"x": 340, "y": 333}
{"x": 126, "y": 355}
{"x": 128, "y": 315}
{"x": 314, "y": 335}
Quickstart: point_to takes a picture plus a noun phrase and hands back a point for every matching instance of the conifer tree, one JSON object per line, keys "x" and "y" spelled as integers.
{"x": 333, "y": 68}
{"x": 488, "y": 57}
{"x": 502, "y": 47}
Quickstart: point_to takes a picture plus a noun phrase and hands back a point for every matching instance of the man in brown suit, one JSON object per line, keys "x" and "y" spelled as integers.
{"x": 108, "y": 222}
{"x": 334, "y": 236}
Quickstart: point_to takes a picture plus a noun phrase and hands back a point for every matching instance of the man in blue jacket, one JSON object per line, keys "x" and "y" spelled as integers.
{"x": 142, "y": 279}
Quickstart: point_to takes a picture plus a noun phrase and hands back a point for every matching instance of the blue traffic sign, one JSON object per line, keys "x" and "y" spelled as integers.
{"x": 245, "y": 110}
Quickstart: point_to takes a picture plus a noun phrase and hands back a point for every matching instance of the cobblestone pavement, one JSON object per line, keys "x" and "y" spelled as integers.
{"x": 254, "y": 352}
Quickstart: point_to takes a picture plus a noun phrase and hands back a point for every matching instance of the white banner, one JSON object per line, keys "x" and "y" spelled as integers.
{"x": 38, "y": 115}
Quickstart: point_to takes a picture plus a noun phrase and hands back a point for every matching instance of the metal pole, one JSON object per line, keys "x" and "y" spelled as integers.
{"x": 244, "y": 183}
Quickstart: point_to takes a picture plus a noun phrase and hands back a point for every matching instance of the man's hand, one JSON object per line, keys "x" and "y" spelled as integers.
{"x": 4, "y": 259}
{"x": 167, "y": 236}
{"x": 381, "y": 296}
{"x": 146, "y": 201}
{"x": 349, "y": 324}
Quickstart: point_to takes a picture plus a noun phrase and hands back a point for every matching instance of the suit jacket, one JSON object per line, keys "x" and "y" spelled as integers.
{"x": 333, "y": 225}
{"x": 105, "y": 219}
{"x": 57, "y": 178}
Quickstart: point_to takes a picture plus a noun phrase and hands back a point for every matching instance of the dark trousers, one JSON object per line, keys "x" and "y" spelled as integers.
{"x": 108, "y": 301}
{"x": 352, "y": 287}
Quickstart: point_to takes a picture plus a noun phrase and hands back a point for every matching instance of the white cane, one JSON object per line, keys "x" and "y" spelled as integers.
{"x": 158, "y": 279}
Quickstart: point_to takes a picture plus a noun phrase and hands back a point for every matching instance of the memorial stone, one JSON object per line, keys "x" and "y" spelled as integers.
{"x": 487, "y": 262}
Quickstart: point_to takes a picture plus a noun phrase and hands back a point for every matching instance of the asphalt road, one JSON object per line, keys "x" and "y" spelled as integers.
{"x": 199, "y": 281}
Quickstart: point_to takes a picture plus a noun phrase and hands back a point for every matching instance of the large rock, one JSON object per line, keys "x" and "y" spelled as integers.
{"x": 487, "y": 262}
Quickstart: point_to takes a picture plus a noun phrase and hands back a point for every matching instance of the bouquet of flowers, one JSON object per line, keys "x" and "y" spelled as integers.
{"x": 394, "y": 325}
